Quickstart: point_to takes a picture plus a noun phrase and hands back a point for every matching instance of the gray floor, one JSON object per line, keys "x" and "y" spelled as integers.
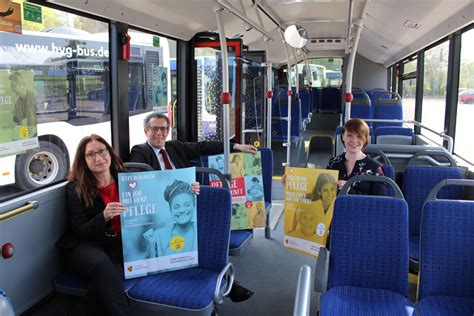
{"x": 272, "y": 273}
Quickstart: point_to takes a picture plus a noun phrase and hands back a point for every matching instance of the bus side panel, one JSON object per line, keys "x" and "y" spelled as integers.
{"x": 27, "y": 276}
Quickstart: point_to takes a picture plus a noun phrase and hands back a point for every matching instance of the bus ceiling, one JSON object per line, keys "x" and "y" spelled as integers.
{"x": 407, "y": 28}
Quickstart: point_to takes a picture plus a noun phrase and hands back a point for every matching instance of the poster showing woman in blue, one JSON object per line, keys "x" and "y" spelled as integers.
{"x": 159, "y": 229}
{"x": 180, "y": 235}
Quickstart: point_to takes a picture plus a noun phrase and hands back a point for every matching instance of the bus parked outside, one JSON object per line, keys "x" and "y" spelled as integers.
{"x": 71, "y": 81}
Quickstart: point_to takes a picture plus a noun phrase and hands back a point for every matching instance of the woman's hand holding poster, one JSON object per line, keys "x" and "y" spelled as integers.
{"x": 159, "y": 226}
{"x": 309, "y": 203}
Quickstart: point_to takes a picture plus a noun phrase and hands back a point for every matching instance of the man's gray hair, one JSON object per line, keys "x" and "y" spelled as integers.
{"x": 155, "y": 115}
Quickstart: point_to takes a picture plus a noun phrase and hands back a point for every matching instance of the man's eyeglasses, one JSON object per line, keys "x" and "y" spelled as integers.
{"x": 155, "y": 129}
{"x": 92, "y": 154}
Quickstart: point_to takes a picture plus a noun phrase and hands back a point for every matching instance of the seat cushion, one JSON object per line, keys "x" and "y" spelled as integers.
{"x": 189, "y": 288}
{"x": 414, "y": 248}
{"x": 439, "y": 305}
{"x": 348, "y": 300}
{"x": 239, "y": 237}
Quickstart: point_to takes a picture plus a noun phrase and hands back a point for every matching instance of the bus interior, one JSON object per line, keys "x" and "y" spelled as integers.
{"x": 405, "y": 67}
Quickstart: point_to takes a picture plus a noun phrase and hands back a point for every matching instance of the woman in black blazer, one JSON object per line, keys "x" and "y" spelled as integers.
{"x": 92, "y": 245}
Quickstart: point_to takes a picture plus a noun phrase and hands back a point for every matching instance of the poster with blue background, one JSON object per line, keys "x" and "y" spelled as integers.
{"x": 159, "y": 228}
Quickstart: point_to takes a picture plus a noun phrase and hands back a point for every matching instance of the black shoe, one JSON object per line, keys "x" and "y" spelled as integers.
{"x": 238, "y": 293}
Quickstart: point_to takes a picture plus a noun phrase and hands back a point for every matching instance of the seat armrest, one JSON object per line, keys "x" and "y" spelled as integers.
{"x": 303, "y": 292}
{"x": 321, "y": 271}
{"x": 227, "y": 275}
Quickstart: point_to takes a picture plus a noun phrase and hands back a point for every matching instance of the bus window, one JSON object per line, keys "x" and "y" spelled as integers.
{"x": 209, "y": 88}
{"x": 408, "y": 82}
{"x": 434, "y": 89}
{"x": 63, "y": 71}
{"x": 149, "y": 78}
{"x": 463, "y": 145}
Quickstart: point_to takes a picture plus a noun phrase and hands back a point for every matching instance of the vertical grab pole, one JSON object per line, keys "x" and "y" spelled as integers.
{"x": 269, "y": 103}
{"x": 269, "y": 97}
{"x": 288, "y": 138}
{"x": 350, "y": 68}
{"x": 225, "y": 96}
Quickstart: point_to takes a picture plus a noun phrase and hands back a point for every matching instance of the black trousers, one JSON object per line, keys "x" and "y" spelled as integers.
{"x": 102, "y": 265}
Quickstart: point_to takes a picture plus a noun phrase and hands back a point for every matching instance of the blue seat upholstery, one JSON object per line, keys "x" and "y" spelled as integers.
{"x": 368, "y": 264}
{"x": 280, "y": 114}
{"x": 440, "y": 305}
{"x": 360, "y": 108}
{"x": 330, "y": 100}
{"x": 361, "y": 105}
{"x": 316, "y": 93}
{"x": 418, "y": 181}
{"x": 375, "y": 94}
{"x": 193, "y": 289}
{"x": 305, "y": 98}
{"x": 446, "y": 283}
{"x": 387, "y": 109}
{"x": 347, "y": 300}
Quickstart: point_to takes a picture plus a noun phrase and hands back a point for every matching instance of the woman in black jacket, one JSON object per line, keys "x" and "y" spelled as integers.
{"x": 92, "y": 244}
{"x": 353, "y": 162}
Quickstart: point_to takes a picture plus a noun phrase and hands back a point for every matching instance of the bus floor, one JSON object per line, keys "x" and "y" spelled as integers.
{"x": 265, "y": 267}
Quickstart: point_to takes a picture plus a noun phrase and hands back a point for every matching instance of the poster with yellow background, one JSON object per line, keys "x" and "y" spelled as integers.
{"x": 10, "y": 17}
{"x": 309, "y": 204}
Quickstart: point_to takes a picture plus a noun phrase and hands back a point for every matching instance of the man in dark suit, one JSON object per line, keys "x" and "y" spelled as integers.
{"x": 174, "y": 154}
{"x": 161, "y": 154}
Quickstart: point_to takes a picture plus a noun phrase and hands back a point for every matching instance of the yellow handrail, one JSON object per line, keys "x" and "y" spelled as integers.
{"x": 30, "y": 205}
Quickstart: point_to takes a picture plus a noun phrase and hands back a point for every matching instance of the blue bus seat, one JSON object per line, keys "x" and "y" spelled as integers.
{"x": 395, "y": 135}
{"x": 418, "y": 181}
{"x": 374, "y": 94}
{"x": 280, "y": 114}
{"x": 195, "y": 289}
{"x": 446, "y": 282}
{"x": 360, "y": 105}
{"x": 305, "y": 98}
{"x": 358, "y": 93}
{"x": 367, "y": 265}
{"x": 330, "y": 100}
{"x": 316, "y": 99}
{"x": 388, "y": 109}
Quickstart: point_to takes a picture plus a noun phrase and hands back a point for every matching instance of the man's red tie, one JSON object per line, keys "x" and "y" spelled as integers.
{"x": 164, "y": 154}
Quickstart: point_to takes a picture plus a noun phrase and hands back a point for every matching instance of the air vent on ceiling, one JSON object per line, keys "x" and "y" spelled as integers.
{"x": 411, "y": 24}
{"x": 327, "y": 43}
